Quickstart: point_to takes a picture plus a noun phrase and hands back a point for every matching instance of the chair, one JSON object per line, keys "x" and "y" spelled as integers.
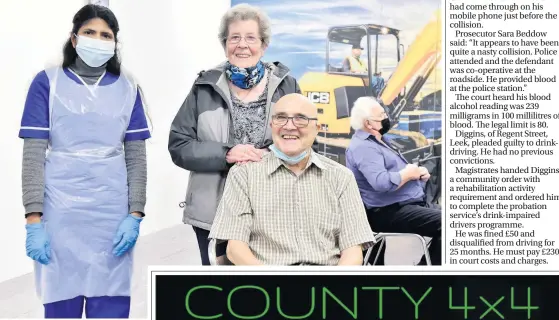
{"x": 212, "y": 253}
{"x": 379, "y": 237}
{"x": 381, "y": 241}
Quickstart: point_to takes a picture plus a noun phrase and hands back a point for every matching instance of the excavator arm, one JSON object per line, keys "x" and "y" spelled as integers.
{"x": 421, "y": 58}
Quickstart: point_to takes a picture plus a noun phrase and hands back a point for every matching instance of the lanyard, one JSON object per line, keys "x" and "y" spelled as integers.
{"x": 385, "y": 144}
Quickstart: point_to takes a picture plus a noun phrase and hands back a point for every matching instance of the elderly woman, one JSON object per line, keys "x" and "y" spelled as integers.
{"x": 225, "y": 117}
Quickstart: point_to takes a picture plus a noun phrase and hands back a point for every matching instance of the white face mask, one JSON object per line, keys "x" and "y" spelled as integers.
{"x": 95, "y": 52}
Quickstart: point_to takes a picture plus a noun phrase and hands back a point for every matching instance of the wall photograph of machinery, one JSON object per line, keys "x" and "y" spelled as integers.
{"x": 341, "y": 50}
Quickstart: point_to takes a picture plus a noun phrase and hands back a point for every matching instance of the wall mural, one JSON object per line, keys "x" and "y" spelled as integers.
{"x": 340, "y": 50}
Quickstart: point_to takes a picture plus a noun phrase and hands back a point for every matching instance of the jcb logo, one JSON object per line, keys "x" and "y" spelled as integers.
{"x": 319, "y": 97}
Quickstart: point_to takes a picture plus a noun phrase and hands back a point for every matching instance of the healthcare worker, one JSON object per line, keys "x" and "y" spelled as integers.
{"x": 85, "y": 200}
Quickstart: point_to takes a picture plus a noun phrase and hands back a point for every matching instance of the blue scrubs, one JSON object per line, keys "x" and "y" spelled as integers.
{"x": 99, "y": 307}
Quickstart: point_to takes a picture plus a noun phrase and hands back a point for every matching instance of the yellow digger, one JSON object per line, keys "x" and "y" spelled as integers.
{"x": 413, "y": 106}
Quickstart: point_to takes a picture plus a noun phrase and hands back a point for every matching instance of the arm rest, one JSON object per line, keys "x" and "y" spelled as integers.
{"x": 212, "y": 255}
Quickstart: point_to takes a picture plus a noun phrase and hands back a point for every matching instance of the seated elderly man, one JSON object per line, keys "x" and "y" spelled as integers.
{"x": 294, "y": 207}
{"x": 392, "y": 190}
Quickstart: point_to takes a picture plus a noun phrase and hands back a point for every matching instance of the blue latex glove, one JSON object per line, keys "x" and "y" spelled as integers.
{"x": 37, "y": 243}
{"x": 126, "y": 235}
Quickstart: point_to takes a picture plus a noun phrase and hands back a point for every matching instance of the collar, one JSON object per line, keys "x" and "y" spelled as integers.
{"x": 362, "y": 134}
{"x": 274, "y": 162}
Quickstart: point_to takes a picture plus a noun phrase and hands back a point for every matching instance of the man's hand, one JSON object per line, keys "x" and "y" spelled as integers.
{"x": 411, "y": 172}
{"x": 243, "y": 153}
{"x": 239, "y": 253}
{"x": 424, "y": 174}
{"x": 352, "y": 256}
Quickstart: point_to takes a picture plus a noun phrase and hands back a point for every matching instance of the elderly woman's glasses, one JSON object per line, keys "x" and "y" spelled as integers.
{"x": 248, "y": 39}
{"x": 298, "y": 121}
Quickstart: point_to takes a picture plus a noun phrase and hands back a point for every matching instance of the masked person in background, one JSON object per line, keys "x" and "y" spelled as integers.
{"x": 391, "y": 189}
{"x": 84, "y": 201}
{"x": 223, "y": 120}
{"x": 294, "y": 207}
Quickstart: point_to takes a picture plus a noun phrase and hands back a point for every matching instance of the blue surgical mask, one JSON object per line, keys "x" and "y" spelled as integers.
{"x": 95, "y": 52}
{"x": 289, "y": 160}
{"x": 245, "y": 78}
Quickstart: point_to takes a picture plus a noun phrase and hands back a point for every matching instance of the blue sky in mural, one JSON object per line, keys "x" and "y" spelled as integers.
{"x": 299, "y": 28}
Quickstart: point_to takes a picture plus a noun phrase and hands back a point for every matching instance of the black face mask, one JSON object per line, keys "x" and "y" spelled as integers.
{"x": 385, "y": 126}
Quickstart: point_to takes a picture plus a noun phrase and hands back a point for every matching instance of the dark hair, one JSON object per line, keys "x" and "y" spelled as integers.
{"x": 85, "y": 14}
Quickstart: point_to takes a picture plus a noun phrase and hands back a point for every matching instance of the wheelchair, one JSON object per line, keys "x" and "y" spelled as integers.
{"x": 432, "y": 160}
{"x": 380, "y": 239}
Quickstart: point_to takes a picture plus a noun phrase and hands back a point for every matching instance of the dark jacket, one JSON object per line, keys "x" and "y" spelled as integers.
{"x": 202, "y": 134}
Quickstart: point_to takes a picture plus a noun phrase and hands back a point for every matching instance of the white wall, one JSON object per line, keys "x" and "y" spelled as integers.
{"x": 164, "y": 44}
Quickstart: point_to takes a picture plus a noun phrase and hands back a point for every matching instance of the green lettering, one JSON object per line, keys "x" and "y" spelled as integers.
{"x": 529, "y": 307}
{"x": 416, "y": 304}
{"x": 380, "y": 296}
{"x": 326, "y": 291}
{"x": 491, "y": 307}
{"x": 465, "y": 307}
{"x": 187, "y": 302}
{"x": 296, "y": 317}
{"x": 229, "y": 306}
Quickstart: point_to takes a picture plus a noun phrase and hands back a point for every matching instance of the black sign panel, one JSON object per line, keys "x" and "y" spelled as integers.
{"x": 355, "y": 296}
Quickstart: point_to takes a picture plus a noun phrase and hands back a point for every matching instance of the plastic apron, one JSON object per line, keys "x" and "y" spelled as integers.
{"x": 86, "y": 188}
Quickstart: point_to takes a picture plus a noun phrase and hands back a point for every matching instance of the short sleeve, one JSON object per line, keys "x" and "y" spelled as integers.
{"x": 233, "y": 220}
{"x": 138, "y": 128}
{"x": 35, "y": 118}
{"x": 355, "y": 228}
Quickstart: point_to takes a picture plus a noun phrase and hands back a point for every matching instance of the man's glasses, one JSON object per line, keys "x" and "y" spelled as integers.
{"x": 298, "y": 121}
{"x": 248, "y": 39}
